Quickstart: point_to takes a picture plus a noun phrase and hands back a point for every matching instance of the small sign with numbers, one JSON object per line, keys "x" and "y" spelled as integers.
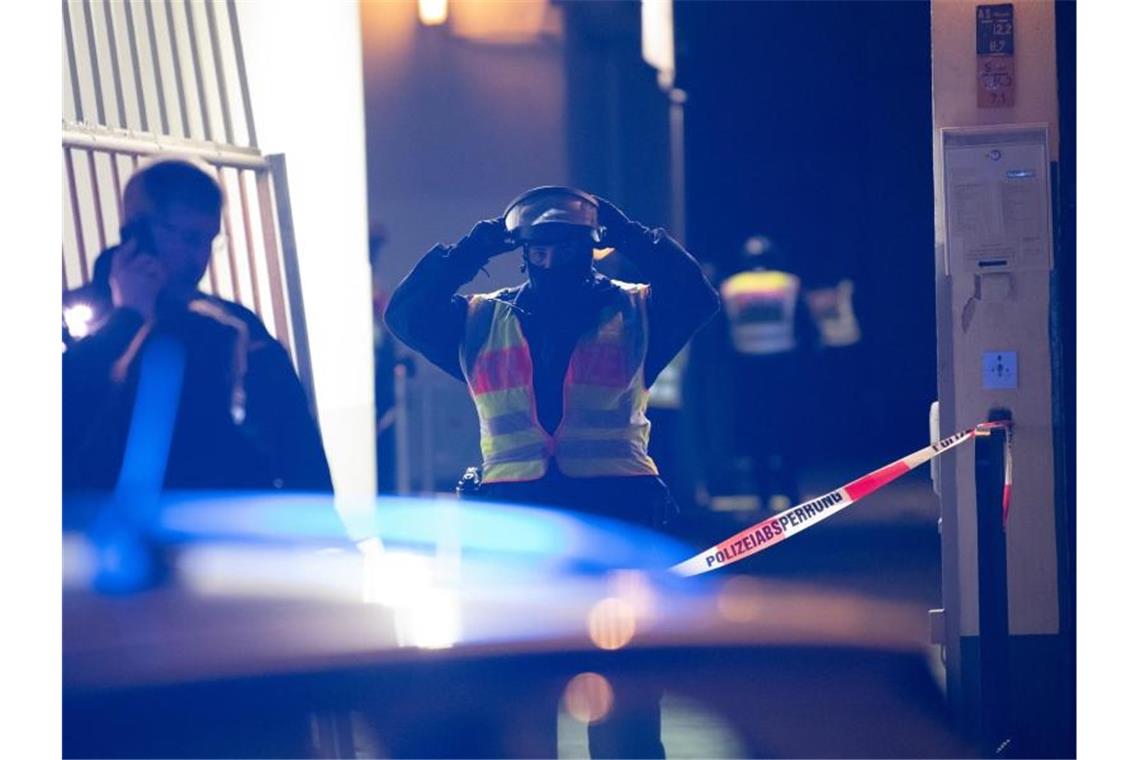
{"x": 995, "y": 55}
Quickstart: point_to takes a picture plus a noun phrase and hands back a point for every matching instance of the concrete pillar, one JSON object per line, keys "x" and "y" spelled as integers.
{"x": 995, "y": 300}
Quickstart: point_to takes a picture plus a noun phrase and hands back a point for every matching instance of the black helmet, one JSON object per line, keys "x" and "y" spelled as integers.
{"x": 553, "y": 213}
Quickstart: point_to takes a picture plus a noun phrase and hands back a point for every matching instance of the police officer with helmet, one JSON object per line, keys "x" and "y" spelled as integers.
{"x": 559, "y": 367}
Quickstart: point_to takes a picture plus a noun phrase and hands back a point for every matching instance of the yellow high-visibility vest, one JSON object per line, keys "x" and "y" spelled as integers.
{"x": 761, "y": 308}
{"x": 604, "y": 430}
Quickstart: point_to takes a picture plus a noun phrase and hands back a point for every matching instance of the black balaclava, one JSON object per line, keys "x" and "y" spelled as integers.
{"x": 566, "y": 281}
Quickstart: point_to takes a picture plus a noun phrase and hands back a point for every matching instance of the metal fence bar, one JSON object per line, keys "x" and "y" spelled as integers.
{"x": 77, "y": 218}
{"x": 184, "y": 111}
{"x": 116, "y": 181}
{"x": 72, "y": 65}
{"x": 134, "y": 49}
{"x": 96, "y": 72}
{"x": 250, "y": 251}
{"x": 203, "y": 104}
{"x": 114, "y": 140}
{"x": 274, "y": 259}
{"x": 287, "y": 256}
{"x": 116, "y": 74}
{"x": 99, "y": 225}
{"x": 213, "y": 276}
{"x": 243, "y": 80}
{"x": 153, "y": 37}
{"x": 248, "y": 230}
{"x": 220, "y": 71}
{"x": 270, "y": 257}
{"x": 231, "y": 256}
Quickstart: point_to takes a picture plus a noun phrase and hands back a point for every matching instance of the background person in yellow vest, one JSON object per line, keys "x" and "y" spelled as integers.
{"x": 559, "y": 368}
{"x": 770, "y": 329}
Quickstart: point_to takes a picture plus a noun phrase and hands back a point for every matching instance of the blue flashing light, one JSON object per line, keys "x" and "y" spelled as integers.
{"x": 152, "y": 423}
{"x": 421, "y": 523}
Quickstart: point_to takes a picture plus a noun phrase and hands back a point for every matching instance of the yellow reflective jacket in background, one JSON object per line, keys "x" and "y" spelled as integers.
{"x": 761, "y": 308}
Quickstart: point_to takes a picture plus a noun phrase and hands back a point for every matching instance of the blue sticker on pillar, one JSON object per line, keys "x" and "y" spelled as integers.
{"x": 999, "y": 370}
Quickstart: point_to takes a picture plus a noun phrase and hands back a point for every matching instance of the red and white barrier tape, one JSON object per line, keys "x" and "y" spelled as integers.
{"x": 767, "y": 533}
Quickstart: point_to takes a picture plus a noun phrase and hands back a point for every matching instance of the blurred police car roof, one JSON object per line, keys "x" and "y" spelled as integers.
{"x": 276, "y": 576}
{"x": 265, "y": 588}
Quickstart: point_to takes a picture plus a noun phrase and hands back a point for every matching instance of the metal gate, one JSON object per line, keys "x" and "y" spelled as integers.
{"x": 145, "y": 79}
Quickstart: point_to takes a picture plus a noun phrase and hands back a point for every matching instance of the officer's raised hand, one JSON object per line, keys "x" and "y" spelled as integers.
{"x": 619, "y": 228}
{"x": 486, "y": 239}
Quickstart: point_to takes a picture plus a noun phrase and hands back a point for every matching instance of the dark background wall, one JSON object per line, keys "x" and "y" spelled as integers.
{"x": 806, "y": 121}
{"x": 617, "y": 117}
{"x": 811, "y": 122}
{"x": 455, "y": 130}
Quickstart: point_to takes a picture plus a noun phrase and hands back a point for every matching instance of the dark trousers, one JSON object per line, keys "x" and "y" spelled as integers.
{"x": 633, "y": 728}
{"x": 642, "y": 500}
{"x": 770, "y": 402}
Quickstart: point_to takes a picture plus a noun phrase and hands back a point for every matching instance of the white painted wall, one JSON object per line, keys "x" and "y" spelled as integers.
{"x": 304, "y": 66}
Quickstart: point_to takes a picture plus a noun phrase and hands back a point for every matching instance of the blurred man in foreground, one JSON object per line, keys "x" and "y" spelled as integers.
{"x": 242, "y": 421}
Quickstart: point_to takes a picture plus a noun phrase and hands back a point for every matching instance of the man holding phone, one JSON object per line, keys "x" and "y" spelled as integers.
{"x": 243, "y": 421}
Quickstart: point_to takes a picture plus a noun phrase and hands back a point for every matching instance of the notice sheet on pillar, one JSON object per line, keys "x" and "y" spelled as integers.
{"x": 996, "y": 190}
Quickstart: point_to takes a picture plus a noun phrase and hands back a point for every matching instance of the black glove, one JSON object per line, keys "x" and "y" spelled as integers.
{"x": 486, "y": 239}
{"x": 619, "y": 228}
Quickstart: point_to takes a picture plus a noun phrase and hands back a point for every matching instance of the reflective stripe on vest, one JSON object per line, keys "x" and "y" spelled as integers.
{"x": 761, "y": 308}
{"x": 603, "y": 432}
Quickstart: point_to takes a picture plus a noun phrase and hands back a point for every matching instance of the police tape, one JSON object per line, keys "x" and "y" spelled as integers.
{"x": 767, "y": 533}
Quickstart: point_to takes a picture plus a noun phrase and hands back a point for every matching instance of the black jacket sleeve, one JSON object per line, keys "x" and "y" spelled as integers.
{"x": 277, "y": 444}
{"x": 424, "y": 311}
{"x": 277, "y": 407}
{"x": 681, "y": 299}
{"x": 278, "y": 416}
